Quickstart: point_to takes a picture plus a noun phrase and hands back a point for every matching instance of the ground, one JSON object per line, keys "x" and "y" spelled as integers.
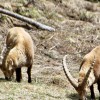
{"x": 77, "y": 24}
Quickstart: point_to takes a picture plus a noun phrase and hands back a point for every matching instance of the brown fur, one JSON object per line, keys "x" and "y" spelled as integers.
{"x": 94, "y": 76}
{"x": 87, "y": 60}
{"x": 20, "y": 52}
{"x": 91, "y": 65}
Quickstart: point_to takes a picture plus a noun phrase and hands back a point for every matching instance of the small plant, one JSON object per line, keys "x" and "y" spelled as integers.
{"x": 3, "y": 18}
{"x": 85, "y": 16}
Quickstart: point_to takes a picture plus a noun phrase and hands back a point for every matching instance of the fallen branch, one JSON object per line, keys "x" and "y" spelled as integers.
{"x": 26, "y": 19}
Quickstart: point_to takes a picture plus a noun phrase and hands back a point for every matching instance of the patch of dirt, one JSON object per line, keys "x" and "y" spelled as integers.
{"x": 77, "y": 24}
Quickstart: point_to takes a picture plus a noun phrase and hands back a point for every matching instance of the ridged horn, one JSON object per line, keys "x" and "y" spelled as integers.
{"x": 83, "y": 84}
{"x": 68, "y": 75}
{"x": 4, "y": 50}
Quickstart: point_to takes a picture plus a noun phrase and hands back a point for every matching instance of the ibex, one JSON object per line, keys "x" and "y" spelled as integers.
{"x": 89, "y": 74}
{"x": 19, "y": 53}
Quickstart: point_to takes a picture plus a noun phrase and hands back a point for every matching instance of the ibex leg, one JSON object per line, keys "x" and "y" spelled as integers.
{"x": 92, "y": 92}
{"x": 18, "y": 74}
{"x": 29, "y": 73}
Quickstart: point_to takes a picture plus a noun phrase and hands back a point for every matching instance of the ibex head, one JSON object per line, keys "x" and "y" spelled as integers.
{"x": 6, "y": 71}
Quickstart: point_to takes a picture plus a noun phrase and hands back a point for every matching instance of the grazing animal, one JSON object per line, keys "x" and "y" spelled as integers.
{"x": 19, "y": 53}
{"x": 89, "y": 74}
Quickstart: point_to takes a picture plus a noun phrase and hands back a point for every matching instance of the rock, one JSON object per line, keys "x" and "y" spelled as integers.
{"x": 53, "y": 54}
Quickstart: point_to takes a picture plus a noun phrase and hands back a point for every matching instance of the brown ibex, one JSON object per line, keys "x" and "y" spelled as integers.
{"x": 19, "y": 53}
{"x": 89, "y": 74}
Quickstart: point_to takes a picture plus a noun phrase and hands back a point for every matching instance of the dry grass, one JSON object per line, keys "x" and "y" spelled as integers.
{"x": 77, "y": 24}
{"x": 24, "y": 91}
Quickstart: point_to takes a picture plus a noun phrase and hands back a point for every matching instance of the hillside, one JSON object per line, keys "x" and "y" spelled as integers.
{"x": 77, "y": 24}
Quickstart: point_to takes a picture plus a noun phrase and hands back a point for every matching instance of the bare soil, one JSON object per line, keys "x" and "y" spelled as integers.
{"x": 77, "y": 24}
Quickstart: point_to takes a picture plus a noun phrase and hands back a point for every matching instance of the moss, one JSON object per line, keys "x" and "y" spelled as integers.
{"x": 35, "y": 13}
{"x": 31, "y": 12}
{"x": 3, "y": 18}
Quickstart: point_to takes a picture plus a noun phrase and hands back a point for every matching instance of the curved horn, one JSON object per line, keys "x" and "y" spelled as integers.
{"x": 68, "y": 75}
{"x": 3, "y": 51}
{"x": 83, "y": 84}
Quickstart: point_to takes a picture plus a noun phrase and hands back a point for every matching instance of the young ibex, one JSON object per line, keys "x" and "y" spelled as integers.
{"x": 19, "y": 53}
{"x": 89, "y": 74}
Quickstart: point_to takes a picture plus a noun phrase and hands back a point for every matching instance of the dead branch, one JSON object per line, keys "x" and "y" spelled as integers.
{"x": 26, "y": 19}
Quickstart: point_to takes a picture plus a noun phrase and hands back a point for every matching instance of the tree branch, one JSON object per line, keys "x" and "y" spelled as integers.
{"x": 26, "y": 19}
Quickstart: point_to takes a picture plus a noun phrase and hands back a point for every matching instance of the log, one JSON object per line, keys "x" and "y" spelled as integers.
{"x": 26, "y": 19}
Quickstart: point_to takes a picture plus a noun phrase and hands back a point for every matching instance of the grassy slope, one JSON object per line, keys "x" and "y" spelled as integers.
{"x": 77, "y": 24}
